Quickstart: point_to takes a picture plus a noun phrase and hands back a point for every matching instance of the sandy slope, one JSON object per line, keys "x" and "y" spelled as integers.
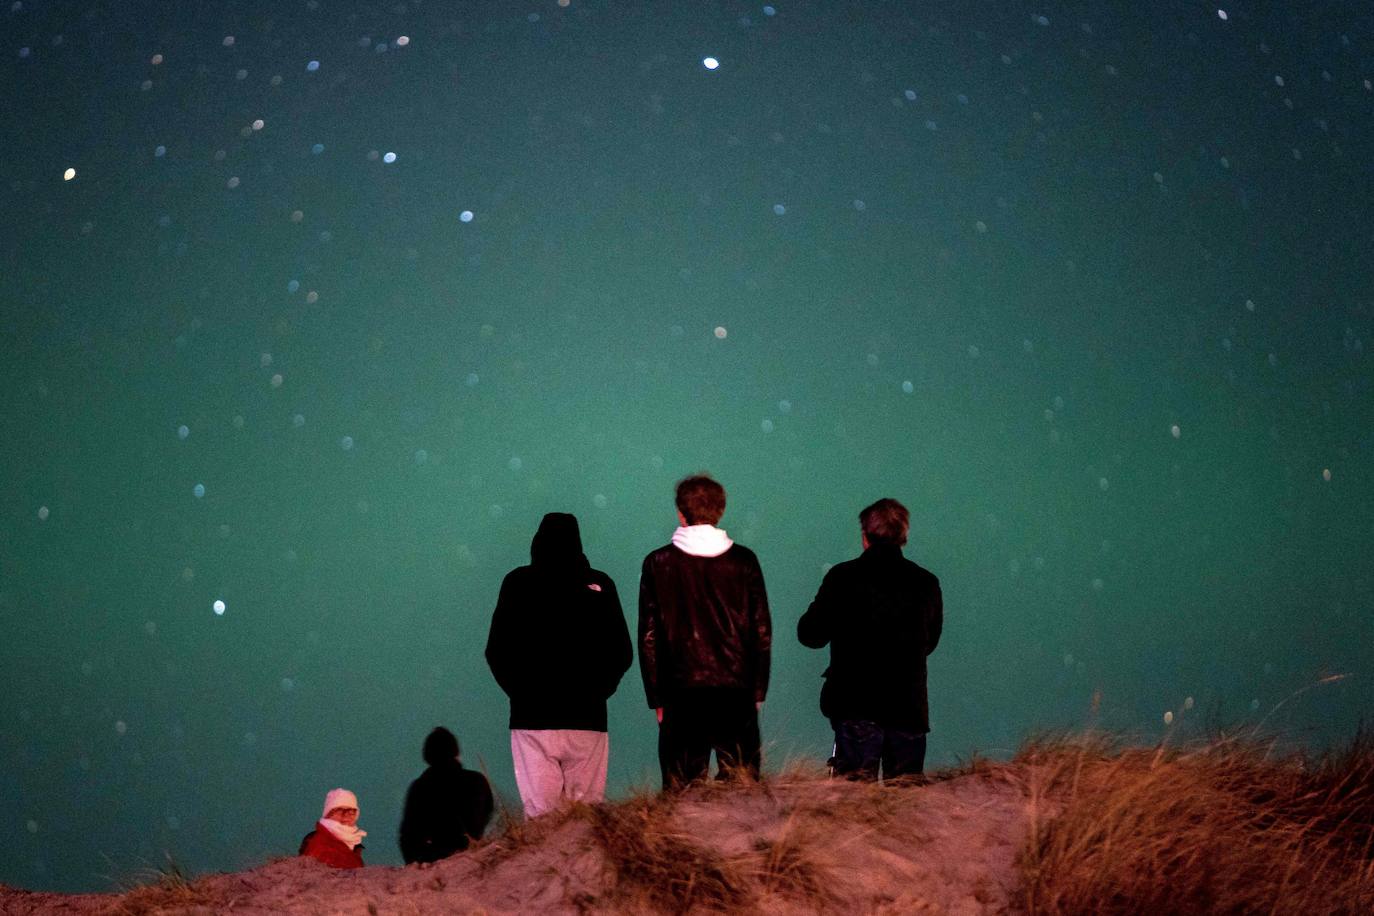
{"x": 796, "y": 844}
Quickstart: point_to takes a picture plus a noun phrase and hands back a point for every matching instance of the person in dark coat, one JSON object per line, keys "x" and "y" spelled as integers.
{"x": 705, "y": 638}
{"x": 558, "y": 647}
{"x": 881, "y": 615}
{"x": 336, "y": 840}
{"x": 447, "y": 807}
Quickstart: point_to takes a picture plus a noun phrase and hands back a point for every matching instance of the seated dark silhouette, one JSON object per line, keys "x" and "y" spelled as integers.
{"x": 447, "y": 807}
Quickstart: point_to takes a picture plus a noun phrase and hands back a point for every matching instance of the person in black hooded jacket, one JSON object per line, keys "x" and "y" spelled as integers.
{"x": 558, "y": 647}
{"x": 447, "y": 807}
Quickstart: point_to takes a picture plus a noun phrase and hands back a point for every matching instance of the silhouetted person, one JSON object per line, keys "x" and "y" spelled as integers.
{"x": 558, "y": 647}
{"x": 336, "y": 840}
{"x": 447, "y": 807}
{"x": 882, "y": 615}
{"x": 704, "y": 642}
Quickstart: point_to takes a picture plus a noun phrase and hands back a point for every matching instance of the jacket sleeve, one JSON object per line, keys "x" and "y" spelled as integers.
{"x": 411, "y": 840}
{"x": 502, "y": 640}
{"x": 619, "y": 651}
{"x": 814, "y": 629}
{"x": 649, "y": 629}
{"x": 935, "y": 616}
{"x": 482, "y": 805}
{"x": 762, "y": 632}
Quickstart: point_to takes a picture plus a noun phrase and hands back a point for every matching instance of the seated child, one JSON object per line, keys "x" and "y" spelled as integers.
{"x": 336, "y": 839}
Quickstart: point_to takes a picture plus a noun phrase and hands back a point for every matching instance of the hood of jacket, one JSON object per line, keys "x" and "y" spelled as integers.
{"x": 702, "y": 540}
{"x": 558, "y": 543}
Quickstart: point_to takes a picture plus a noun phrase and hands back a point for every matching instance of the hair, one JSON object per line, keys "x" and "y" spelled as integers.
{"x": 700, "y": 499}
{"x": 885, "y": 522}
{"x": 440, "y": 747}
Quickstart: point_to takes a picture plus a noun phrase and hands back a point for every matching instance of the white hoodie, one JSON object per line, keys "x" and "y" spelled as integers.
{"x": 702, "y": 540}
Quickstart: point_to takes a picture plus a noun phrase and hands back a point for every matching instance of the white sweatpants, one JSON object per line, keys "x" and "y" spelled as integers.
{"x": 553, "y": 765}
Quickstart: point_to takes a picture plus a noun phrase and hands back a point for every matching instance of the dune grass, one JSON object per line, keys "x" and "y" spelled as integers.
{"x": 1229, "y": 826}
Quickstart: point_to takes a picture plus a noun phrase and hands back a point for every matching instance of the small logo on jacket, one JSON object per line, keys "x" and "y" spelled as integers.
{"x": 593, "y": 586}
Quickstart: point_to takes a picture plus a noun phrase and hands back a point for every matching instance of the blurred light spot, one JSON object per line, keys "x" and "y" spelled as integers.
{"x": 769, "y": 11}
{"x": 1098, "y": 585}
{"x": 233, "y": 182}
{"x": 317, "y": 149}
{"x": 1042, "y": 20}
{"x": 160, "y": 152}
{"x": 120, "y": 727}
{"x": 277, "y": 380}
{"x": 860, "y": 205}
{"x": 265, "y": 360}
{"x": 183, "y": 431}
{"x": 930, "y": 125}
{"x": 293, "y": 285}
{"x": 1102, "y": 484}
{"x": 312, "y": 297}
{"x": 1221, "y": 14}
{"x": 421, "y": 456}
{"x": 198, "y": 490}
{"x": 1169, "y": 718}
{"x": 157, "y": 59}
{"x": 472, "y": 379}
{"x": 241, "y": 75}
{"x": 766, "y": 426}
{"x": 720, "y": 333}
{"x": 1249, "y": 305}
{"x": 258, "y": 124}
{"x": 599, "y": 500}
{"x": 1188, "y": 703}
{"x": 1175, "y": 431}
{"x": 43, "y": 513}
{"x": 981, "y": 226}
{"x": 779, "y": 209}
{"x": 228, "y": 41}
{"x": 1326, "y": 474}
{"x": 298, "y": 420}
{"x": 312, "y": 66}
{"x": 1254, "y": 705}
{"x": 1278, "y": 81}
{"x": 907, "y": 387}
{"x": 564, "y": 3}
{"x": 389, "y": 158}
{"x": 346, "y": 443}
{"x": 31, "y": 826}
{"x": 784, "y": 407}
{"x": 402, "y": 41}
{"x": 910, "y": 95}
{"x": 515, "y": 463}
{"x": 373, "y": 155}
{"x": 69, "y": 174}
{"x": 710, "y": 63}
{"x": 238, "y": 421}
{"x": 465, "y": 216}
{"x": 287, "y": 684}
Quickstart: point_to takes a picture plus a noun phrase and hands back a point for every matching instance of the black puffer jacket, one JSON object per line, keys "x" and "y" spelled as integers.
{"x": 558, "y": 644}
{"x": 703, "y": 622}
{"x": 882, "y": 615}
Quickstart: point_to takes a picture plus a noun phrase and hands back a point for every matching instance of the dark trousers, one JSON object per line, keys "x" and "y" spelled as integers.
{"x": 860, "y": 746}
{"x": 697, "y": 722}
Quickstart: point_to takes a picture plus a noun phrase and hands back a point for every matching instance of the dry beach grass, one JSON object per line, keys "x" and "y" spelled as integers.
{"x": 1081, "y": 825}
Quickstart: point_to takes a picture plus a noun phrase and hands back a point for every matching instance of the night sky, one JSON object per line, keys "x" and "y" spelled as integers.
{"x": 341, "y": 298}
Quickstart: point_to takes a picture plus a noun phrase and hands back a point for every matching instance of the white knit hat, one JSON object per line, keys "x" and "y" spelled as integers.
{"x": 339, "y": 798}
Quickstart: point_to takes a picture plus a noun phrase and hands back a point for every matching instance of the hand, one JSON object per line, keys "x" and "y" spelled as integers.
{"x": 659, "y": 712}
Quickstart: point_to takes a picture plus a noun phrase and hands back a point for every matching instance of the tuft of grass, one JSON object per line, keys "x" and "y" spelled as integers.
{"x": 1224, "y": 827}
{"x": 650, "y": 864}
{"x": 165, "y": 889}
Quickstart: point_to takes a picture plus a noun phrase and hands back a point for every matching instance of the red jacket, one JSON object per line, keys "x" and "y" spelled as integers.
{"x": 329, "y": 849}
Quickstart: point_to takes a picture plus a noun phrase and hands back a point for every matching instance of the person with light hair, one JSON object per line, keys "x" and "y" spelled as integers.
{"x": 881, "y": 614}
{"x": 336, "y": 840}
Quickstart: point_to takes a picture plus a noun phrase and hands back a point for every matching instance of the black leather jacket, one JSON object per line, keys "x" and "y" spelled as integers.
{"x": 703, "y": 622}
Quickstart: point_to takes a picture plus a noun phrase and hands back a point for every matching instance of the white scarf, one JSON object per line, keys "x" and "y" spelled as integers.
{"x": 350, "y": 836}
{"x": 702, "y": 540}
